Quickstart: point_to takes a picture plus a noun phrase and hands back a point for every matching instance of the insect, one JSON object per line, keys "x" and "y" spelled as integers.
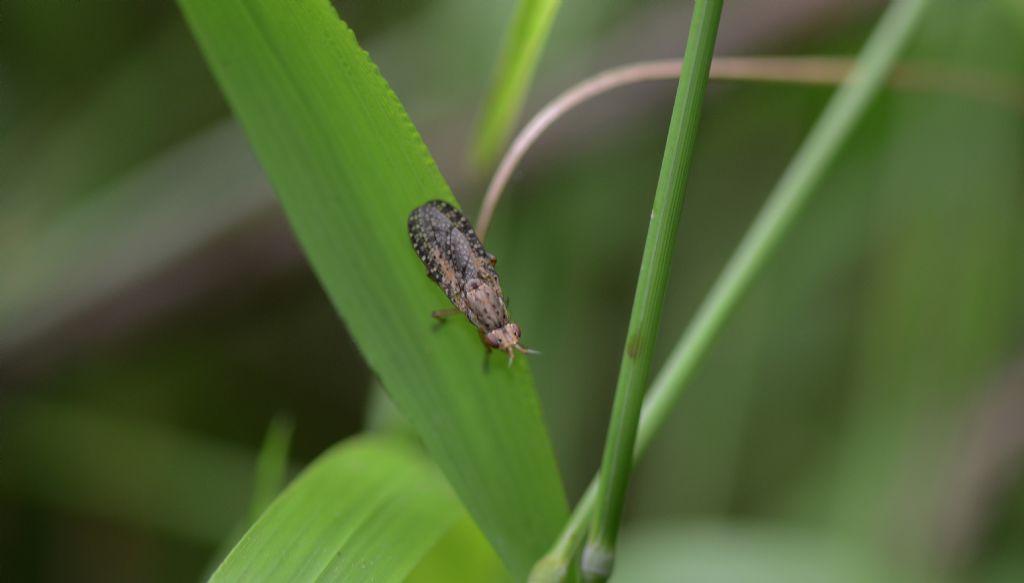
{"x": 457, "y": 261}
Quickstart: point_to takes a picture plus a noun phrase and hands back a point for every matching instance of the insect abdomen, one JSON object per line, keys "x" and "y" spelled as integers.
{"x": 452, "y": 253}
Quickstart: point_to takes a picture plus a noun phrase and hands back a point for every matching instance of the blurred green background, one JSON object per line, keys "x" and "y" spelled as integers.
{"x": 859, "y": 419}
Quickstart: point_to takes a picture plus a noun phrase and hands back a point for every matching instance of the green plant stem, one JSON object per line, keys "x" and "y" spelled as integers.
{"x": 800, "y": 179}
{"x": 634, "y": 373}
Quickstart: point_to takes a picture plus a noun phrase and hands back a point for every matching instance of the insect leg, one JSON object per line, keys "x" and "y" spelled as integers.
{"x": 445, "y": 313}
{"x": 441, "y": 316}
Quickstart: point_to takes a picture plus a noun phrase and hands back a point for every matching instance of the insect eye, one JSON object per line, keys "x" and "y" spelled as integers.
{"x": 492, "y": 340}
{"x": 515, "y": 330}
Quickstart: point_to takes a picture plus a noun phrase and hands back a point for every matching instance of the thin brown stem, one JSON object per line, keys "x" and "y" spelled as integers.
{"x": 811, "y": 70}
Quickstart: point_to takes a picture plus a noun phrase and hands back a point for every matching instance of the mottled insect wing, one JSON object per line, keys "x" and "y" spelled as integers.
{"x": 430, "y": 233}
{"x": 461, "y": 223}
{"x": 449, "y": 248}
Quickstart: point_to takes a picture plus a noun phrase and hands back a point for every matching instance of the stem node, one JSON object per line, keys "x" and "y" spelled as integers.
{"x": 596, "y": 563}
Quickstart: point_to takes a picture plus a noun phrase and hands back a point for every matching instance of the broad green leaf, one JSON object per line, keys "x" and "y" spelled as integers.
{"x": 366, "y": 510}
{"x": 524, "y": 43}
{"x": 349, "y": 167}
{"x": 462, "y": 554}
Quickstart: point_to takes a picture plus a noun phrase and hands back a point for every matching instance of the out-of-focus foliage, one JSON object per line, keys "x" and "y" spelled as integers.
{"x": 830, "y": 422}
{"x": 524, "y": 43}
{"x": 723, "y": 553}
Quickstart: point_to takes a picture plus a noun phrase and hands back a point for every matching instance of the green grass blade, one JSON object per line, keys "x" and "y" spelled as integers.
{"x": 926, "y": 338}
{"x": 524, "y": 43}
{"x": 832, "y": 130}
{"x": 367, "y": 510}
{"x": 634, "y": 371}
{"x": 269, "y": 478}
{"x": 271, "y": 466}
{"x": 802, "y": 176}
{"x": 348, "y": 167}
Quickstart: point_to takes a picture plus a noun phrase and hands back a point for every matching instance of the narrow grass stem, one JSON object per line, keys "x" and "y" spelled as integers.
{"x": 634, "y": 373}
{"x": 996, "y": 89}
{"x": 801, "y": 177}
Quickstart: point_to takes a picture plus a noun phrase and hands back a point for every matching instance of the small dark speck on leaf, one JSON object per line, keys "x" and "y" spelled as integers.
{"x": 633, "y": 346}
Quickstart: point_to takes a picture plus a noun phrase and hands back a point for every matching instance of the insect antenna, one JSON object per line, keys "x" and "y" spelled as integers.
{"x": 511, "y": 350}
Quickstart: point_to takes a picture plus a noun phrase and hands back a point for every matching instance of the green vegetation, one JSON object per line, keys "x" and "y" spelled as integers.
{"x": 216, "y": 352}
{"x": 368, "y": 510}
{"x": 634, "y": 373}
{"x": 524, "y": 44}
{"x": 348, "y": 167}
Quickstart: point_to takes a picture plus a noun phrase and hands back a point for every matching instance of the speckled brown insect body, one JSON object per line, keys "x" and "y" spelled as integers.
{"x": 459, "y": 264}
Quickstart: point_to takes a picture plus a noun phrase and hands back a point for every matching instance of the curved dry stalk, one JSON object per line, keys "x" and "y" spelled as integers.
{"x": 800, "y": 70}
{"x": 567, "y": 101}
